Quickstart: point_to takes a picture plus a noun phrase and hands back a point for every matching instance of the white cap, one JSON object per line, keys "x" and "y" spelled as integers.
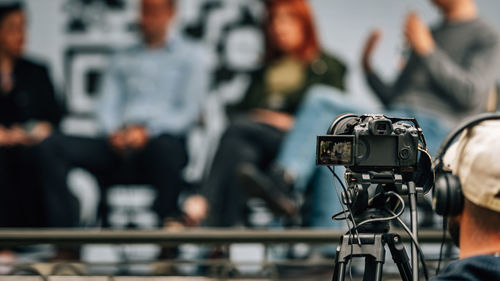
{"x": 475, "y": 159}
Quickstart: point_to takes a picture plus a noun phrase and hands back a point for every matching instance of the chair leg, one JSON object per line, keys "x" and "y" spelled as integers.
{"x": 103, "y": 209}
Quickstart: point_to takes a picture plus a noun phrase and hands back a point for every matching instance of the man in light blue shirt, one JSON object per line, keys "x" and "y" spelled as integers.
{"x": 160, "y": 89}
{"x": 150, "y": 99}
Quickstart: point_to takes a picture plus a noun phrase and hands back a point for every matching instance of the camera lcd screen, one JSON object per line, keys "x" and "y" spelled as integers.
{"x": 335, "y": 150}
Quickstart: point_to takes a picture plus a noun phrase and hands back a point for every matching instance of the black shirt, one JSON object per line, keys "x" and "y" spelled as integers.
{"x": 485, "y": 268}
{"x": 31, "y": 98}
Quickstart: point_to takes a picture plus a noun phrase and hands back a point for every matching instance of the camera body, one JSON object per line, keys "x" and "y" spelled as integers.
{"x": 370, "y": 142}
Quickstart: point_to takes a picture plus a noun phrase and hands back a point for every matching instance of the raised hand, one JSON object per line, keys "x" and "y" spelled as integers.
{"x": 418, "y": 35}
{"x": 369, "y": 48}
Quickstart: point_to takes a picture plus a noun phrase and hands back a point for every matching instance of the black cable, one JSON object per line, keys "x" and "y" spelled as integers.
{"x": 443, "y": 239}
{"x": 355, "y": 227}
{"x": 337, "y": 178}
{"x": 345, "y": 212}
{"x": 348, "y": 211}
{"x": 394, "y": 216}
{"x": 414, "y": 240}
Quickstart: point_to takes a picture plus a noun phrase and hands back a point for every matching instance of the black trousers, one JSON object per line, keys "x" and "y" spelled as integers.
{"x": 20, "y": 192}
{"x": 244, "y": 141}
{"x": 159, "y": 163}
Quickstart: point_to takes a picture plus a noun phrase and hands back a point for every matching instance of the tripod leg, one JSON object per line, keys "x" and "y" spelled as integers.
{"x": 373, "y": 269}
{"x": 339, "y": 267}
{"x": 414, "y": 221}
{"x": 339, "y": 272}
{"x": 399, "y": 256}
{"x": 371, "y": 247}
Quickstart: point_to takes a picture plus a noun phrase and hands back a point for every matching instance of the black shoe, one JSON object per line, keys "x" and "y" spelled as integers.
{"x": 272, "y": 188}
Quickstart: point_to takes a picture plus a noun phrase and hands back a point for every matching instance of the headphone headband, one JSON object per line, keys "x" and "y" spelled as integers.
{"x": 468, "y": 123}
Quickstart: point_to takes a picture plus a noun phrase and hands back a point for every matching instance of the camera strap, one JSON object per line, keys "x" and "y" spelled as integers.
{"x": 424, "y": 176}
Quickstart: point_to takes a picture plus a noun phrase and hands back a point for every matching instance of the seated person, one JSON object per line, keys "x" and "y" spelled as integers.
{"x": 293, "y": 63}
{"x": 447, "y": 77}
{"x": 475, "y": 226}
{"x": 28, "y": 115}
{"x": 151, "y": 97}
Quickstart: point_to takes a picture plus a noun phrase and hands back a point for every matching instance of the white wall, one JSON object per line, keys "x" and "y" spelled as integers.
{"x": 45, "y": 33}
{"x": 343, "y": 27}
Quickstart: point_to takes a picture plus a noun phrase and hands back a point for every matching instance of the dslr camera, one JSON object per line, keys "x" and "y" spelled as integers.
{"x": 376, "y": 150}
{"x": 370, "y": 142}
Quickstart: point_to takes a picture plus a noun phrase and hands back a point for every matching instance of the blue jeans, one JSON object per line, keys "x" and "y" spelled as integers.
{"x": 322, "y": 104}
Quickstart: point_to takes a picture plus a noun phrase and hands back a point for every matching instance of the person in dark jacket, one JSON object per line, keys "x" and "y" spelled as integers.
{"x": 29, "y": 113}
{"x": 293, "y": 63}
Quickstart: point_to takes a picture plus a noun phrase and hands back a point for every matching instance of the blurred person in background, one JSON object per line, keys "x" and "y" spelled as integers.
{"x": 448, "y": 76}
{"x": 29, "y": 114}
{"x": 294, "y": 61}
{"x": 150, "y": 99}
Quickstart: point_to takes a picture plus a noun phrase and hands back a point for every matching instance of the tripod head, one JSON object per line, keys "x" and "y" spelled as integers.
{"x": 374, "y": 225}
{"x": 369, "y": 197}
{"x": 372, "y": 196}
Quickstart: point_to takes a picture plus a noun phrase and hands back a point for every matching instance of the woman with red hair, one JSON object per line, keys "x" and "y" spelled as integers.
{"x": 293, "y": 62}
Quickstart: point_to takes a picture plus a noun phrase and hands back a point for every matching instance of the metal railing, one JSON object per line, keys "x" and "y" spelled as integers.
{"x": 221, "y": 267}
{"x": 15, "y": 237}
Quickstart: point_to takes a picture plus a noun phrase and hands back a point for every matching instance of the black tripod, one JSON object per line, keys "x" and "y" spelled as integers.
{"x": 369, "y": 242}
{"x": 373, "y": 250}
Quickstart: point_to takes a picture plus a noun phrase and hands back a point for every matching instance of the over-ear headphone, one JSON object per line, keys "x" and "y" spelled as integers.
{"x": 447, "y": 193}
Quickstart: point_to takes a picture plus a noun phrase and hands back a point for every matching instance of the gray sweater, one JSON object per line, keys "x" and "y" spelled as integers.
{"x": 452, "y": 82}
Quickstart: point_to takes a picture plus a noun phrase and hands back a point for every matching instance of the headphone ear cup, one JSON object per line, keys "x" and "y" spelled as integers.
{"x": 456, "y": 199}
{"x": 447, "y": 196}
{"x": 440, "y": 195}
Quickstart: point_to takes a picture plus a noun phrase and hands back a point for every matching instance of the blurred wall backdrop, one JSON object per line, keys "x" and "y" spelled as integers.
{"x": 343, "y": 27}
{"x": 74, "y": 37}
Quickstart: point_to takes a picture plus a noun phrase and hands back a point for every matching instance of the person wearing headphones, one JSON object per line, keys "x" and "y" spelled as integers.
{"x": 467, "y": 193}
